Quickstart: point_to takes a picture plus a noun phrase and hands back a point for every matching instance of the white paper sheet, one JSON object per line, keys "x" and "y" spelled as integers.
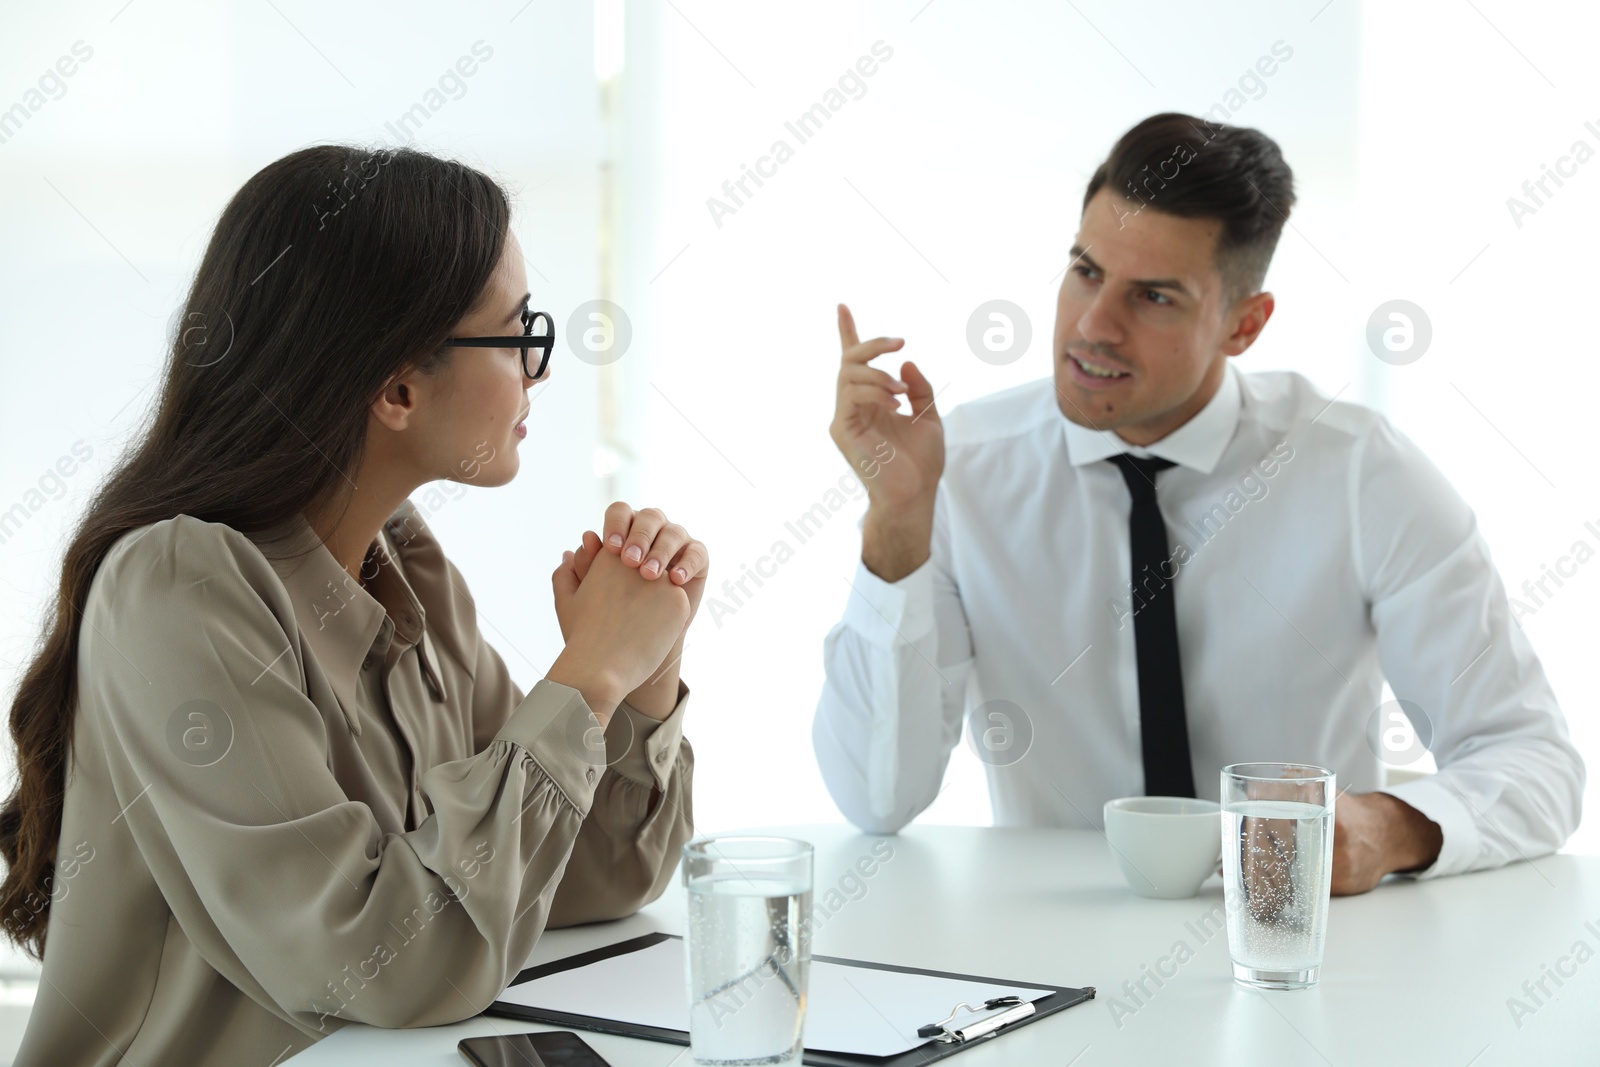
{"x": 857, "y": 1010}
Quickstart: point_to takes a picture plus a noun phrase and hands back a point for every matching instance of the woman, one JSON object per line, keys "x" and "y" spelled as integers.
{"x": 272, "y": 777}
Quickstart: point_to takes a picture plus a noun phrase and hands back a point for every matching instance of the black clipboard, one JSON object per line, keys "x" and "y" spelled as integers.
{"x": 1060, "y": 998}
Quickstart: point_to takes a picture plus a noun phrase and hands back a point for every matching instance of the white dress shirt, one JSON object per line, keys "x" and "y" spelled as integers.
{"x": 1316, "y": 552}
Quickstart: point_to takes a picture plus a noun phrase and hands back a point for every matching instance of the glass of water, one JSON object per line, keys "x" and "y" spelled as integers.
{"x": 749, "y": 948}
{"x": 1277, "y": 867}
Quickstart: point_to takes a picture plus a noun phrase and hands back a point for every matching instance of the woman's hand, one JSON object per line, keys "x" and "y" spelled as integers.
{"x": 646, "y": 541}
{"x": 618, "y": 628}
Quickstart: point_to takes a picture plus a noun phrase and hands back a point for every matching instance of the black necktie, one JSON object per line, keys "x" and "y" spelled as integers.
{"x": 1163, "y": 729}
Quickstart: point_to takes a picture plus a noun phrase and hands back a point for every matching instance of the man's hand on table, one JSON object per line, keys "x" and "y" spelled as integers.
{"x": 1375, "y": 834}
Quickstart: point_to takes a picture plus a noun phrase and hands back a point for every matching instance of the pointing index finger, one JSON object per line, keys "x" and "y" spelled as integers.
{"x": 847, "y": 328}
{"x": 857, "y": 351}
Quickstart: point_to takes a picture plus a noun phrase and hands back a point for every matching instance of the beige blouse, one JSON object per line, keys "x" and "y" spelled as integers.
{"x": 295, "y": 802}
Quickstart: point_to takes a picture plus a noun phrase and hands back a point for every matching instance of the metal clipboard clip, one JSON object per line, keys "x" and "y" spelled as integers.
{"x": 1016, "y": 1010}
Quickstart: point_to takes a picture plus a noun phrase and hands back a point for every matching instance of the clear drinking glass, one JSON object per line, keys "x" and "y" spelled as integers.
{"x": 1277, "y": 867}
{"x": 749, "y": 948}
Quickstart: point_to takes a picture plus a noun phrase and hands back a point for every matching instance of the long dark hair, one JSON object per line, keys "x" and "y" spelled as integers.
{"x": 332, "y": 271}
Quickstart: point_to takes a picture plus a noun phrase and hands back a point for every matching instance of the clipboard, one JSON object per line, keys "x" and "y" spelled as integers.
{"x": 935, "y": 1048}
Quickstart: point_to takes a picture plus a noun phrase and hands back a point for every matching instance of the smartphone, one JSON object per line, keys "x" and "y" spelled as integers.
{"x": 558, "y": 1048}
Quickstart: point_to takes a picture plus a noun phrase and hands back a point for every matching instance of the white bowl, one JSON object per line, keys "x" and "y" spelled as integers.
{"x": 1166, "y": 846}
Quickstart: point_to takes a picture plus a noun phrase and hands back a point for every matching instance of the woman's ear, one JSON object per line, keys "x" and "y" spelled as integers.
{"x": 396, "y": 404}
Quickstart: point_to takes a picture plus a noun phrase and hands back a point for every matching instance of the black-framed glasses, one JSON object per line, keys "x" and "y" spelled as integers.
{"x": 529, "y": 339}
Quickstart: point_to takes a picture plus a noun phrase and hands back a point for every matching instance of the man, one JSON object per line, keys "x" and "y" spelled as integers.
{"x": 1152, "y": 565}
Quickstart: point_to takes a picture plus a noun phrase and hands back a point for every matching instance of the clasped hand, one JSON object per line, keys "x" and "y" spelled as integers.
{"x": 624, "y": 600}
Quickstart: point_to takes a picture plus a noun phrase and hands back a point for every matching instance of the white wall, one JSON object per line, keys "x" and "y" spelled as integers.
{"x": 1460, "y": 106}
{"x": 953, "y": 180}
{"x": 956, "y": 178}
{"x": 109, "y": 193}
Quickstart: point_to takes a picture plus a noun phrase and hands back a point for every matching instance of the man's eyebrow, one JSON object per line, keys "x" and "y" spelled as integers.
{"x": 517, "y": 311}
{"x": 1173, "y": 284}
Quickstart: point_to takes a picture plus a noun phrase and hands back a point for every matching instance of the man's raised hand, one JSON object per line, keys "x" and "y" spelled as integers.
{"x": 898, "y": 456}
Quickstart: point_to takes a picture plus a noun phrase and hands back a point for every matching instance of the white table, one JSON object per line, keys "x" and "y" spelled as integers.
{"x": 1414, "y": 972}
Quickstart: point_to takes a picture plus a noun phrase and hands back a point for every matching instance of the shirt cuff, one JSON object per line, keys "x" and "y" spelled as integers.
{"x": 556, "y": 727}
{"x": 890, "y": 614}
{"x": 1435, "y": 799}
{"x": 643, "y": 749}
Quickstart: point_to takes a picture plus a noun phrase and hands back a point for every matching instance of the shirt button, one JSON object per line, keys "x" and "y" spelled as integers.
{"x": 589, "y": 776}
{"x": 369, "y": 663}
{"x": 661, "y": 757}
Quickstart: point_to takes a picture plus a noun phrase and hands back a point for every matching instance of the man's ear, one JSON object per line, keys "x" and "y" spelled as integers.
{"x": 397, "y": 404}
{"x": 1249, "y": 318}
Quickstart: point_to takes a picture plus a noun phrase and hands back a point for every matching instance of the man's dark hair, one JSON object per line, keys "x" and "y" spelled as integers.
{"x": 1185, "y": 166}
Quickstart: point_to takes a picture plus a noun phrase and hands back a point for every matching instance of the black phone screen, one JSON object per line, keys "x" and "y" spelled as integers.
{"x": 560, "y": 1048}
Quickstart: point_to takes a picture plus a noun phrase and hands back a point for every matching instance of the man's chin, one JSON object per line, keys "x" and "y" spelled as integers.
{"x": 1094, "y": 409}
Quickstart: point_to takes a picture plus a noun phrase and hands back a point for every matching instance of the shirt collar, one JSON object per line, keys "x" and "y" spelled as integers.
{"x": 1198, "y": 443}
{"x": 342, "y": 622}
